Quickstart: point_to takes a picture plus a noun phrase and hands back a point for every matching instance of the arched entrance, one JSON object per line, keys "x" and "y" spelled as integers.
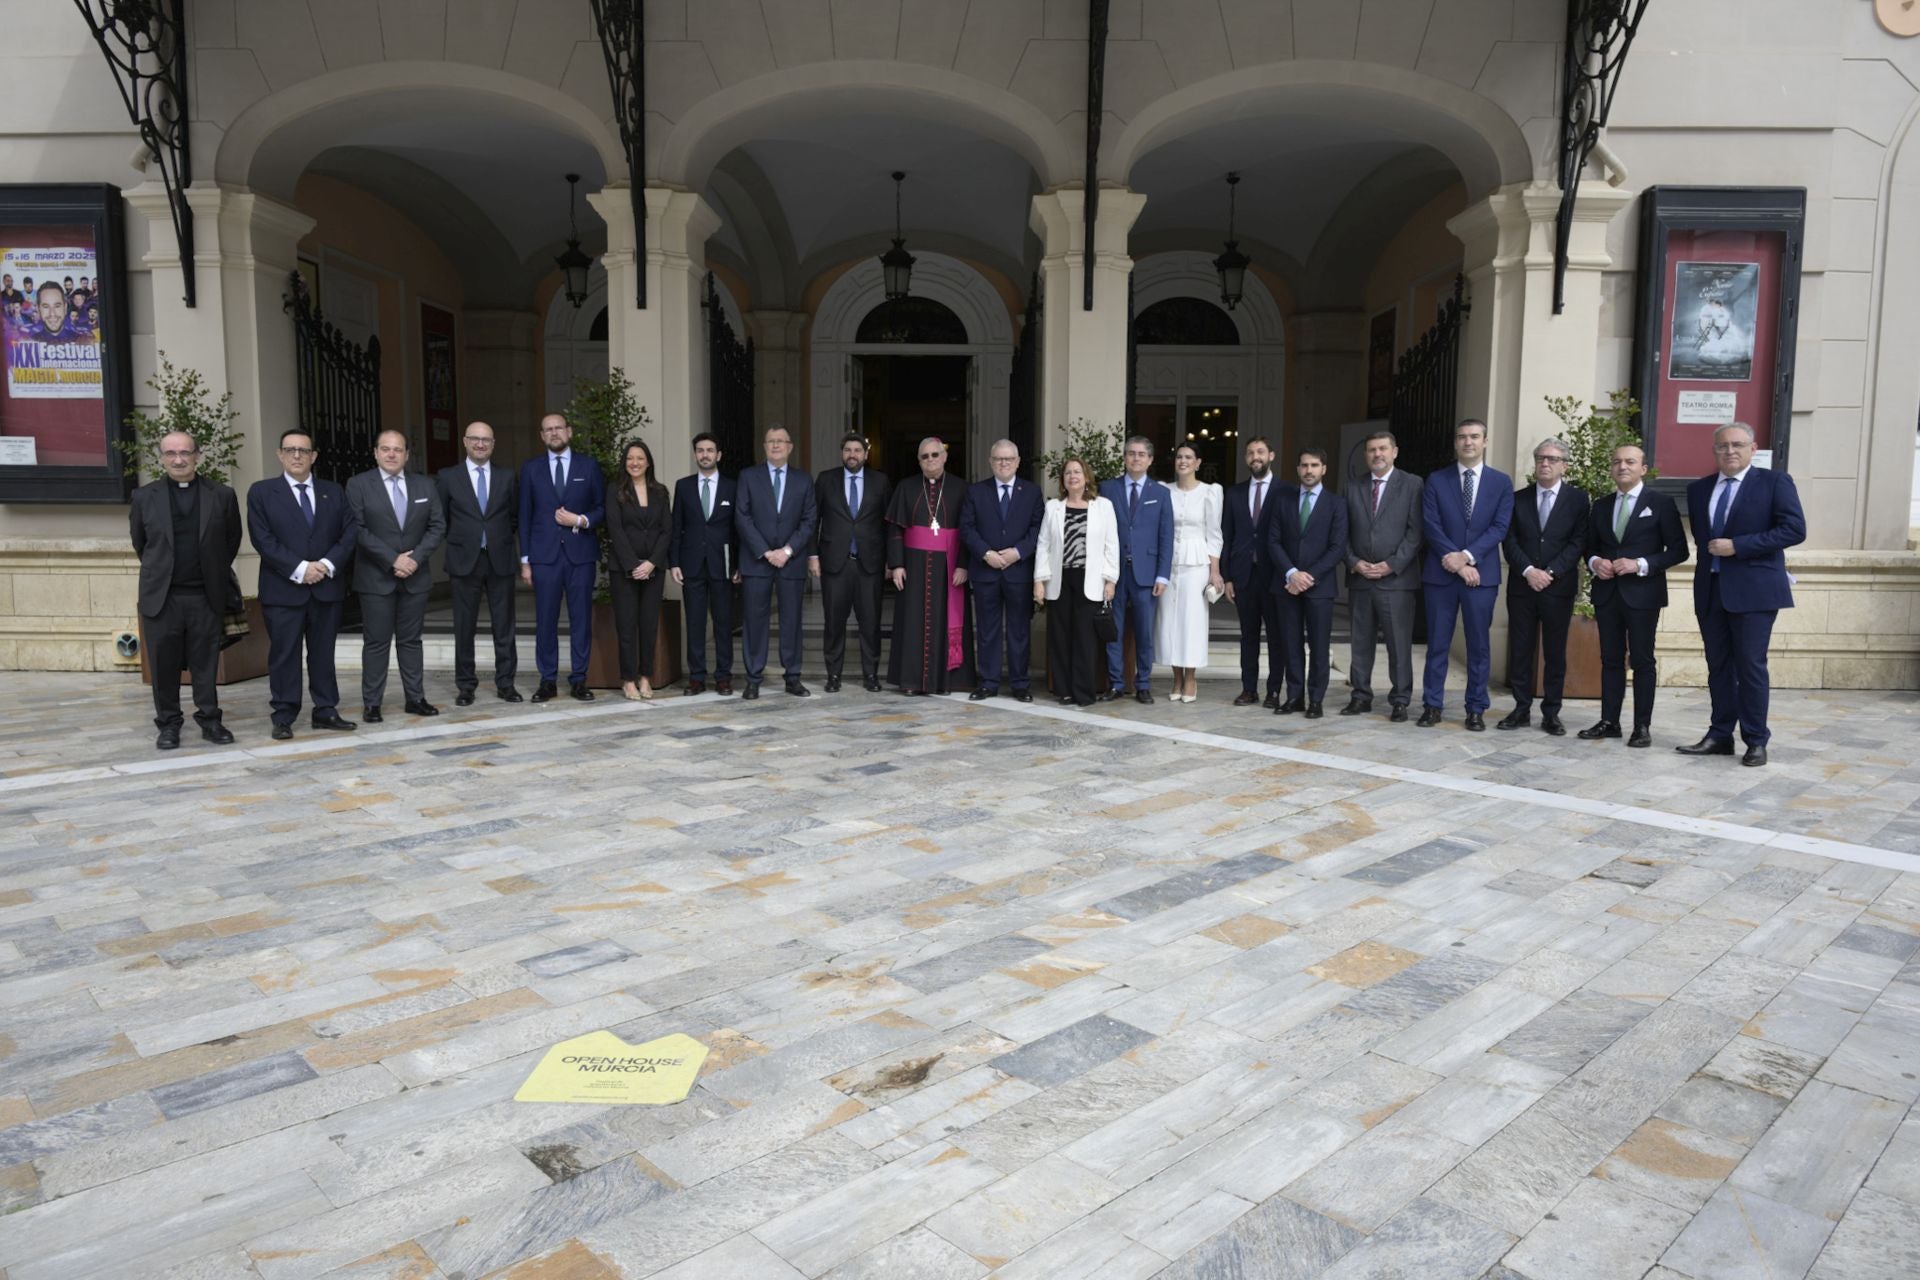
{"x": 982, "y": 358}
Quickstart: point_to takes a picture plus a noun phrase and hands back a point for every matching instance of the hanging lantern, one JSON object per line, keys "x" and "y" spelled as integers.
{"x": 896, "y": 264}
{"x": 1232, "y": 265}
{"x": 573, "y": 263}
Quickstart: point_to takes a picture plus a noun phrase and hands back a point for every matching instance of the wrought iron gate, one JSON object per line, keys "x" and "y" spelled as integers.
{"x": 1023, "y": 386}
{"x": 338, "y": 384}
{"x": 730, "y": 385}
{"x": 1424, "y": 388}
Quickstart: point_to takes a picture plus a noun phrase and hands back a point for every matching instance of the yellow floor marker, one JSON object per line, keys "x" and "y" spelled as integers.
{"x": 601, "y": 1067}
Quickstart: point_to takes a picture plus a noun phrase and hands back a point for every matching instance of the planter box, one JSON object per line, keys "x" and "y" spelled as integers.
{"x": 244, "y": 660}
{"x": 603, "y": 665}
{"x": 1583, "y": 662}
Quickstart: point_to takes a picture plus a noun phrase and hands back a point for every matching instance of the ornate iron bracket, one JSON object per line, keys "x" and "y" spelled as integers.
{"x": 1096, "y": 91}
{"x": 1599, "y": 33}
{"x": 145, "y": 42}
{"x": 623, "y": 42}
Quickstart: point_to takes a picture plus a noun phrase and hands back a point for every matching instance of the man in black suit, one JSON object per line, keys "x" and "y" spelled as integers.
{"x": 776, "y": 519}
{"x": 1543, "y": 548}
{"x": 999, "y": 528}
{"x": 482, "y": 510}
{"x": 398, "y": 522}
{"x": 1385, "y": 532}
{"x": 304, "y": 533}
{"x": 706, "y": 563}
{"x": 1308, "y": 541}
{"x": 186, "y": 531}
{"x": 849, "y": 558}
{"x": 1634, "y": 537}
{"x": 1246, "y": 520}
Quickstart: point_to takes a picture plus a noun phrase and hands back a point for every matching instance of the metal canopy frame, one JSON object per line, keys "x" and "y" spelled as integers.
{"x": 1096, "y": 91}
{"x": 145, "y": 43}
{"x": 621, "y": 25}
{"x": 1599, "y": 33}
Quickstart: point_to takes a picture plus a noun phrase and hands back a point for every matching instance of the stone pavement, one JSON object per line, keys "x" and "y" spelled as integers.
{"x": 1175, "y": 991}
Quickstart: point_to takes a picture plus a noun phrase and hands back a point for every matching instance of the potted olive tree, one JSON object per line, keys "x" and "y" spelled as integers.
{"x": 1592, "y": 434}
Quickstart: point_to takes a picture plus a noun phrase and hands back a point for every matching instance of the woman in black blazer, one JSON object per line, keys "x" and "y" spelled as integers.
{"x": 640, "y": 523}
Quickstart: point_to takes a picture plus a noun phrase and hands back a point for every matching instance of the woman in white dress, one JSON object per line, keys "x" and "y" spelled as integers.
{"x": 1180, "y": 631}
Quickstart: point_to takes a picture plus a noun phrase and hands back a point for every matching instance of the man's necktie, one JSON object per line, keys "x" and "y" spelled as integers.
{"x": 853, "y": 509}
{"x": 779, "y": 483}
{"x": 1006, "y": 495}
{"x": 1378, "y": 485}
{"x": 306, "y": 504}
{"x": 1466, "y": 491}
{"x": 1133, "y": 502}
{"x": 480, "y": 482}
{"x": 399, "y": 492}
{"x": 706, "y": 497}
{"x": 1546, "y": 508}
{"x": 1622, "y": 508}
{"x": 1306, "y": 508}
{"x": 1259, "y": 499}
{"x": 560, "y": 479}
{"x": 1719, "y": 526}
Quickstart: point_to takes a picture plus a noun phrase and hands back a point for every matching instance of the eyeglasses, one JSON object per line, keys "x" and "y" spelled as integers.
{"x": 928, "y": 457}
{"x": 295, "y": 451}
{"x": 478, "y": 439}
{"x": 1549, "y": 457}
{"x": 1736, "y": 446}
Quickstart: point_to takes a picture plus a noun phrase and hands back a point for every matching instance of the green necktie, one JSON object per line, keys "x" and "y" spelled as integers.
{"x": 1622, "y": 508}
{"x": 706, "y": 497}
{"x": 1306, "y": 508}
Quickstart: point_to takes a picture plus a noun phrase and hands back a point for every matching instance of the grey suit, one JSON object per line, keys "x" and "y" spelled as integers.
{"x": 1391, "y": 534}
{"x": 393, "y": 610}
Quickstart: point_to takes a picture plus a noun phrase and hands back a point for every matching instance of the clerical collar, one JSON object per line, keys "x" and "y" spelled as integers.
{"x": 184, "y": 484}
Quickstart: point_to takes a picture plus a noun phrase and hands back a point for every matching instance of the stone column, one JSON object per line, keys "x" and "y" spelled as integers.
{"x": 1083, "y": 354}
{"x": 500, "y": 378}
{"x": 662, "y": 349}
{"x": 778, "y": 376}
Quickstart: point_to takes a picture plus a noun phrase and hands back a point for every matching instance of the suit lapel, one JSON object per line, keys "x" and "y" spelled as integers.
{"x": 203, "y": 496}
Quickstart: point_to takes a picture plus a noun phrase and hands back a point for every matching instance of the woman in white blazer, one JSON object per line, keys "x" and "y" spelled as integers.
{"x": 1078, "y": 565}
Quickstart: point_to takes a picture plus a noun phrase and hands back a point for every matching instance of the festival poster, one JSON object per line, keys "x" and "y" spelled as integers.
{"x": 52, "y": 395}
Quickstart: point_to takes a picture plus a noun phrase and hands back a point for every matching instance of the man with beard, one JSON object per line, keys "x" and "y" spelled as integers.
{"x": 1245, "y": 521}
{"x": 923, "y": 558}
{"x": 1383, "y": 573}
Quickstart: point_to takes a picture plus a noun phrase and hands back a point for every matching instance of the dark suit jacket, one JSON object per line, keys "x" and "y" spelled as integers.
{"x": 150, "y": 522}
{"x": 640, "y": 533}
{"x": 703, "y": 548}
{"x": 840, "y": 528}
{"x": 1560, "y": 548}
{"x": 1653, "y": 534}
{"x": 541, "y": 540}
{"x": 379, "y": 538}
{"x": 1243, "y": 544}
{"x": 1317, "y": 549}
{"x": 1763, "y": 520}
{"x": 1146, "y": 540}
{"x": 982, "y": 530}
{"x": 280, "y": 534}
{"x": 763, "y": 528}
{"x": 465, "y": 520}
{"x": 1444, "y": 521}
{"x": 1393, "y": 537}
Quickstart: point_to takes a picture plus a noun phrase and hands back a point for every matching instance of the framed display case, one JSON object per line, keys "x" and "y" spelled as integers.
{"x": 65, "y": 364}
{"x": 1718, "y": 313}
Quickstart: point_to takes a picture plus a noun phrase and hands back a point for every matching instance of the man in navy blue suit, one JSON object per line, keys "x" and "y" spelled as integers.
{"x": 999, "y": 526}
{"x": 1307, "y": 542}
{"x": 1743, "y": 521}
{"x": 1144, "y": 511}
{"x": 563, "y": 497}
{"x": 706, "y": 563}
{"x": 776, "y": 516}
{"x": 1466, "y": 509}
{"x": 299, "y": 525}
{"x": 1246, "y": 520}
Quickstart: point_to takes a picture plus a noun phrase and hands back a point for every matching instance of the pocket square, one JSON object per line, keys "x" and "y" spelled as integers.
{"x": 726, "y": 502}
{"x": 418, "y": 501}
{"x": 1645, "y": 514}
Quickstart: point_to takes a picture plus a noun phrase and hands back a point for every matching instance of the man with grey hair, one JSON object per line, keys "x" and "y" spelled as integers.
{"x": 1744, "y": 518}
{"x": 999, "y": 527}
{"x": 928, "y": 568}
{"x": 1543, "y": 545}
{"x": 776, "y": 515}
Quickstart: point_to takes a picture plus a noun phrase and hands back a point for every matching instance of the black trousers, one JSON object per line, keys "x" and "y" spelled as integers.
{"x": 396, "y": 622}
{"x": 636, "y": 621}
{"x": 1626, "y": 639}
{"x": 314, "y": 627}
{"x": 1259, "y": 611}
{"x": 1078, "y": 663}
{"x": 186, "y": 634}
{"x": 703, "y": 598}
{"x": 467, "y": 592}
{"x": 1537, "y": 622}
{"x": 1306, "y": 631}
{"x": 852, "y": 590}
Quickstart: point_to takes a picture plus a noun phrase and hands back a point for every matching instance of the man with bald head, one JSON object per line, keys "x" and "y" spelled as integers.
{"x": 563, "y": 498}
{"x": 928, "y": 566}
{"x": 186, "y": 531}
{"x": 1000, "y": 526}
{"x": 483, "y": 508}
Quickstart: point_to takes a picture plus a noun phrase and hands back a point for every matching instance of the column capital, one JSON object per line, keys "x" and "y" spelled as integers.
{"x": 231, "y": 225}
{"x": 1515, "y": 225}
{"x": 1058, "y": 217}
{"x": 678, "y": 221}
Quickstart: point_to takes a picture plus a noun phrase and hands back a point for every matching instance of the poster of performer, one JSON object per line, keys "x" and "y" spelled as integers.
{"x": 52, "y": 405}
{"x": 1715, "y": 308}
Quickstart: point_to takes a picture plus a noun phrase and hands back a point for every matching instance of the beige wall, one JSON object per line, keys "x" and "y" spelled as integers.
{"x": 1415, "y": 271}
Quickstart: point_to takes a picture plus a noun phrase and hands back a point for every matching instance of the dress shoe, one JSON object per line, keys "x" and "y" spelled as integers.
{"x": 749, "y": 693}
{"x": 630, "y": 693}
{"x": 1641, "y": 736}
{"x": 981, "y": 695}
{"x": 1143, "y": 697}
{"x": 1106, "y": 695}
{"x": 1023, "y": 695}
{"x": 798, "y": 690}
{"x": 1291, "y": 705}
{"x": 1755, "y": 757}
{"x": 1710, "y": 746}
{"x": 1516, "y": 719}
{"x": 1246, "y": 698}
{"x": 546, "y": 692}
{"x": 510, "y": 694}
{"x": 580, "y": 692}
{"x": 1475, "y": 722}
{"x": 871, "y": 684}
{"x": 1272, "y": 701}
{"x": 333, "y": 720}
{"x": 1398, "y": 715}
{"x": 168, "y": 738}
{"x": 464, "y": 698}
{"x": 1429, "y": 717}
{"x": 371, "y": 715}
{"x": 421, "y": 707}
{"x": 1602, "y": 729}
{"x": 723, "y": 687}
{"x": 693, "y": 687}
{"x": 282, "y": 732}
{"x": 1355, "y": 707}
{"x": 1313, "y": 711}
{"x": 1552, "y": 725}
{"x": 833, "y": 684}
{"x": 1066, "y": 700}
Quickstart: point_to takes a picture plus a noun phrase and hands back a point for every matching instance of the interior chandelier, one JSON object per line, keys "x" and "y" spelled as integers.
{"x": 1232, "y": 264}
{"x": 896, "y": 264}
{"x": 573, "y": 263}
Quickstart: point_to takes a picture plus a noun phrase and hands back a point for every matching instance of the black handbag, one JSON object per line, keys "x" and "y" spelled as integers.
{"x": 1105, "y": 629}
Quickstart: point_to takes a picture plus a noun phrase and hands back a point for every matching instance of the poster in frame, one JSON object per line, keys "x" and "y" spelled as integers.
{"x": 1716, "y": 321}
{"x": 65, "y": 354}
